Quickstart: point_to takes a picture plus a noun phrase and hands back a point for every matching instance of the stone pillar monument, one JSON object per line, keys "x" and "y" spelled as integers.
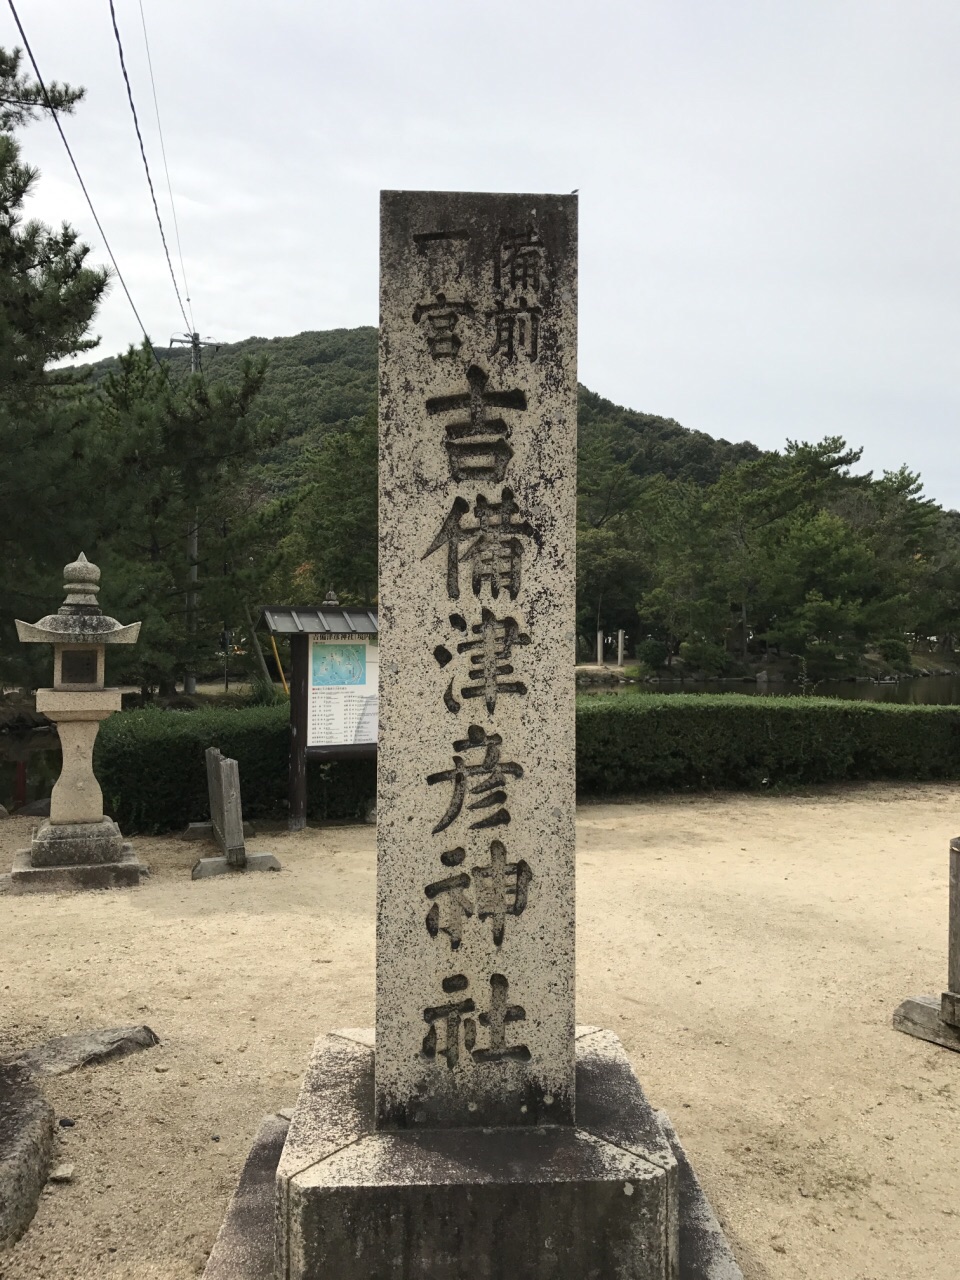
{"x": 475, "y": 806}
{"x": 479, "y": 1135}
{"x": 488, "y": 1139}
{"x": 78, "y": 846}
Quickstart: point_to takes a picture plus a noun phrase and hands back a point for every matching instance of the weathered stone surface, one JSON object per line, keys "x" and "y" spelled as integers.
{"x": 704, "y": 1251}
{"x": 950, "y": 1008}
{"x": 76, "y": 795}
{"x": 557, "y": 1202}
{"x": 3, "y": 813}
{"x": 226, "y": 814}
{"x": 123, "y": 874}
{"x": 204, "y": 831}
{"x": 26, "y": 1144}
{"x": 920, "y": 1016}
{"x": 475, "y": 936}
{"x": 87, "y": 1048}
{"x": 207, "y": 867}
{"x": 76, "y": 843}
{"x": 244, "y": 1248}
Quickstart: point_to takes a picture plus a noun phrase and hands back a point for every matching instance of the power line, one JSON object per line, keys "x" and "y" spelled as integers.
{"x": 163, "y": 152}
{"x": 83, "y": 187}
{"x": 146, "y": 166}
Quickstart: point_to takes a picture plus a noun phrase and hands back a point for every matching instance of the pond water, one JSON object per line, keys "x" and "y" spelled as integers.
{"x": 929, "y": 690}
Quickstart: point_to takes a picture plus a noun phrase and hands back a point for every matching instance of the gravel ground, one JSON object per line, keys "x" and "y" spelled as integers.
{"x": 749, "y": 950}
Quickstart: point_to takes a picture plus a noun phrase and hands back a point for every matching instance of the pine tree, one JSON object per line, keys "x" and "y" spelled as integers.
{"x": 48, "y": 299}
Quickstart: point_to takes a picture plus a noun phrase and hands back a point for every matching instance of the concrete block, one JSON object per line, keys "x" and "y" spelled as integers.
{"x": 920, "y": 1016}
{"x": 207, "y": 867}
{"x": 950, "y": 1008}
{"x": 244, "y": 1248}
{"x": 124, "y": 873}
{"x": 26, "y": 1145}
{"x": 77, "y": 844}
{"x": 704, "y": 1251}
{"x": 592, "y": 1201}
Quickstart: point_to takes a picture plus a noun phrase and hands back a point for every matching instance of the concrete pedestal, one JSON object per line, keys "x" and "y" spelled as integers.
{"x": 75, "y": 855}
{"x": 611, "y": 1198}
{"x": 207, "y": 867}
{"x": 123, "y": 873}
{"x": 920, "y": 1016}
{"x": 74, "y": 844}
{"x": 76, "y": 796}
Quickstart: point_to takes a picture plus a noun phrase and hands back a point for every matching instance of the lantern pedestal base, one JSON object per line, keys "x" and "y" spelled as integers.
{"x": 76, "y": 844}
{"x": 124, "y": 872}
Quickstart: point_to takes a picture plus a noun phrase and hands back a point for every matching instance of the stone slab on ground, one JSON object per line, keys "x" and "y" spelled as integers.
{"x": 920, "y": 1016}
{"x": 244, "y": 1247}
{"x": 26, "y": 878}
{"x": 26, "y": 1146}
{"x": 221, "y": 867}
{"x": 86, "y": 1049}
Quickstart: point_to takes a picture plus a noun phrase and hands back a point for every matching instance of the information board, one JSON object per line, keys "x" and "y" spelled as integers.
{"x": 344, "y": 684}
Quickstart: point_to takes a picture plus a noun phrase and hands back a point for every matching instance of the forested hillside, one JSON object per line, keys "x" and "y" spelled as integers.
{"x": 316, "y": 382}
{"x": 713, "y": 554}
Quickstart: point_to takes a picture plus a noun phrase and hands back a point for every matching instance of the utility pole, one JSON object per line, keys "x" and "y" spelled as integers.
{"x": 196, "y": 345}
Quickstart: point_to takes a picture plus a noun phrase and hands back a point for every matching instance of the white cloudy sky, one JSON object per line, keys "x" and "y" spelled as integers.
{"x": 770, "y": 238}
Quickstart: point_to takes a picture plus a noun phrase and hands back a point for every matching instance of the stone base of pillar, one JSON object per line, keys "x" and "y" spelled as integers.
{"x": 75, "y": 844}
{"x": 124, "y": 872}
{"x": 920, "y": 1016}
{"x": 613, "y": 1196}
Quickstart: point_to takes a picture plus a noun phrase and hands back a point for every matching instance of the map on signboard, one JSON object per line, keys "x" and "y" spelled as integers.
{"x": 339, "y": 664}
{"x": 344, "y": 702}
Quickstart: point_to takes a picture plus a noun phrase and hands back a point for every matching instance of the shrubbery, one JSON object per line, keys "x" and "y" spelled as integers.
{"x": 150, "y": 763}
{"x": 652, "y": 652}
{"x": 675, "y": 741}
{"x": 895, "y": 652}
{"x": 151, "y": 768}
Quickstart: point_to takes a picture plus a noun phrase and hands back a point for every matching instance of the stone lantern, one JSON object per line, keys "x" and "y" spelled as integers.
{"x": 78, "y": 845}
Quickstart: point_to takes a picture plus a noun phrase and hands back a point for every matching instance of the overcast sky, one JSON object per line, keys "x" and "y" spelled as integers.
{"x": 768, "y": 188}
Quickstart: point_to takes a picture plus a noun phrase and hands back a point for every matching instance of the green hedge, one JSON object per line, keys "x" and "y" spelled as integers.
{"x": 628, "y": 743}
{"x": 150, "y": 763}
{"x": 151, "y": 768}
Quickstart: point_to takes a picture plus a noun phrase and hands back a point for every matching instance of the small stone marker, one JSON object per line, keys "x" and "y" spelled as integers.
{"x": 226, "y": 822}
{"x": 78, "y": 847}
{"x": 927, "y": 1017}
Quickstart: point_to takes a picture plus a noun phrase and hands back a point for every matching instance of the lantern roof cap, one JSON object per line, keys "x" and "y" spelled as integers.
{"x": 79, "y": 620}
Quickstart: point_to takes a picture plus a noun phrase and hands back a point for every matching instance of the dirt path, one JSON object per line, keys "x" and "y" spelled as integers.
{"x": 749, "y": 950}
